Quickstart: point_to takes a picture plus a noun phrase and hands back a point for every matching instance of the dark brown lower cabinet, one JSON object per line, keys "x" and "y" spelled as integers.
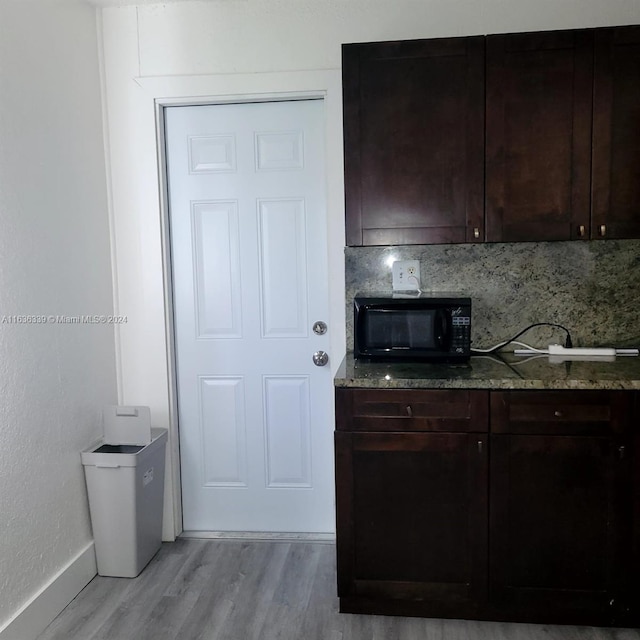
{"x": 561, "y": 505}
{"x": 414, "y": 541}
{"x": 634, "y": 587}
{"x": 538, "y": 521}
{"x": 559, "y": 528}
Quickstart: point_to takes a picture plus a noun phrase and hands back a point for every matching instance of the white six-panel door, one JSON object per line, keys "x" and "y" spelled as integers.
{"x": 249, "y": 259}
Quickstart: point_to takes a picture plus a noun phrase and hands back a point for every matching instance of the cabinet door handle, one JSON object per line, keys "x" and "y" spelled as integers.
{"x": 621, "y": 452}
{"x": 409, "y": 411}
{"x": 581, "y": 231}
{"x": 476, "y": 232}
{"x": 557, "y": 414}
{"x": 602, "y": 230}
{"x": 479, "y": 446}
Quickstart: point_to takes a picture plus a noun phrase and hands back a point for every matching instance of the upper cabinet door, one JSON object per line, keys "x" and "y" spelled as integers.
{"x": 414, "y": 139}
{"x": 538, "y": 147}
{"x": 616, "y": 134}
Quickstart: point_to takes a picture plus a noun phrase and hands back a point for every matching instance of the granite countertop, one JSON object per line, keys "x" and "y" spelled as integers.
{"x": 492, "y": 372}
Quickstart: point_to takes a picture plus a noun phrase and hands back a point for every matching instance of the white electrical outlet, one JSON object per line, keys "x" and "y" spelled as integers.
{"x": 406, "y": 275}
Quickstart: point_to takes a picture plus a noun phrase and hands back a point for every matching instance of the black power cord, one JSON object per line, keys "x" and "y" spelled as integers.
{"x": 567, "y": 343}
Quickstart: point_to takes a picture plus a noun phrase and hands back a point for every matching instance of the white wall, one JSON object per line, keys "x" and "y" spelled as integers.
{"x": 236, "y": 36}
{"x": 54, "y": 259}
{"x": 196, "y": 49}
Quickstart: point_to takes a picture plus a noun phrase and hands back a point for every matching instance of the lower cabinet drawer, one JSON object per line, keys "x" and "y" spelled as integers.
{"x": 411, "y": 410}
{"x": 560, "y": 412}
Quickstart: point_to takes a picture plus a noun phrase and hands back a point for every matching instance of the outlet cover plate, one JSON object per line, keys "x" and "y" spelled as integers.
{"x": 406, "y": 275}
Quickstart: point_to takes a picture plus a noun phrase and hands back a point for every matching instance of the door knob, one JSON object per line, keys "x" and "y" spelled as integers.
{"x": 319, "y": 328}
{"x": 320, "y": 358}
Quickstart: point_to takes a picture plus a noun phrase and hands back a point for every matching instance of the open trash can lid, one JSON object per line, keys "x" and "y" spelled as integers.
{"x": 126, "y": 425}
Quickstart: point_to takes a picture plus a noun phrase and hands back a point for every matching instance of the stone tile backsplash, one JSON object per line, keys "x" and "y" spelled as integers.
{"x": 592, "y": 288}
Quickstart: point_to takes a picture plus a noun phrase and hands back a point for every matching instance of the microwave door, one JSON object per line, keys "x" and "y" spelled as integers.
{"x": 378, "y": 328}
{"x": 401, "y": 338}
{"x": 426, "y": 330}
{"x": 412, "y": 330}
{"x": 418, "y": 329}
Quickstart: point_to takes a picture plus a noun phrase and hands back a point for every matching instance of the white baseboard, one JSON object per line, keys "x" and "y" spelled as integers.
{"x": 32, "y": 619}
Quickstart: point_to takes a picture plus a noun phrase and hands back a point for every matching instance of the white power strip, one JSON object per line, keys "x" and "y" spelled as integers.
{"x": 559, "y": 350}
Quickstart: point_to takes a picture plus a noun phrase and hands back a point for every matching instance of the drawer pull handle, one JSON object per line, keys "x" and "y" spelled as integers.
{"x": 557, "y": 414}
{"x": 409, "y": 411}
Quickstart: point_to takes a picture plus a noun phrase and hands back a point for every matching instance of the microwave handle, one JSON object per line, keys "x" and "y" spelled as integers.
{"x": 444, "y": 329}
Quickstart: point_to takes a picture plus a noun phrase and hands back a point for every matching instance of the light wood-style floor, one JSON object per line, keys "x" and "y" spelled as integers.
{"x": 249, "y": 590}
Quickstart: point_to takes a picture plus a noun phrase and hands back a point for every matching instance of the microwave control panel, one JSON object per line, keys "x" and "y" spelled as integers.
{"x": 461, "y": 333}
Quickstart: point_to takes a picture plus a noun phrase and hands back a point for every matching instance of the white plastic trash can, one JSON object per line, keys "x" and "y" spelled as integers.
{"x": 125, "y": 483}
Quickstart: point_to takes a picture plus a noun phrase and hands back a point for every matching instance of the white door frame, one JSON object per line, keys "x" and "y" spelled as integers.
{"x": 161, "y": 92}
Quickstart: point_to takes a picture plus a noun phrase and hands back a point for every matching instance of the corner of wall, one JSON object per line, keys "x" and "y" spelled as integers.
{"x": 34, "y": 617}
{"x": 109, "y": 191}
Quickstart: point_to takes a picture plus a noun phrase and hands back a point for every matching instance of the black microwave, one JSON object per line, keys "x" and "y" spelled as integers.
{"x": 428, "y": 327}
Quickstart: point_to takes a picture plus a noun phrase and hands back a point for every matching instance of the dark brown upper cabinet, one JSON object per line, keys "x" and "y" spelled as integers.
{"x": 557, "y": 156}
{"x": 414, "y": 141}
{"x": 538, "y": 128}
{"x": 616, "y": 134}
